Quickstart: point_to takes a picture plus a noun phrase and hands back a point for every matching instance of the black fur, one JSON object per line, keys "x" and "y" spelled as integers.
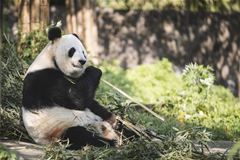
{"x": 54, "y": 33}
{"x": 80, "y": 137}
{"x": 71, "y": 52}
{"x": 76, "y": 35}
{"x": 50, "y": 87}
{"x": 125, "y": 132}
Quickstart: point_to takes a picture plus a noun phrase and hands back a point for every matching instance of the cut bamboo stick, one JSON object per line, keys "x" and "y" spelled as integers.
{"x": 127, "y": 96}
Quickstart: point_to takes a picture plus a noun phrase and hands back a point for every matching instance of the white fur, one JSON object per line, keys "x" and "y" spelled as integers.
{"x": 44, "y": 60}
{"x": 58, "y": 50}
{"x": 46, "y": 125}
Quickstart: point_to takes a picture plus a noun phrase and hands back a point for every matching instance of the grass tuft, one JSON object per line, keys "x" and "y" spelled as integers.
{"x": 13, "y": 70}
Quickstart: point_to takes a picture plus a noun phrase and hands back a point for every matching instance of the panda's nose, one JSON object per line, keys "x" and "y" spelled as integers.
{"x": 82, "y": 62}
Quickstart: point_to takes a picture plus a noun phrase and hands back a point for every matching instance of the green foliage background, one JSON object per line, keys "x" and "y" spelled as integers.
{"x": 191, "y": 99}
{"x": 145, "y": 83}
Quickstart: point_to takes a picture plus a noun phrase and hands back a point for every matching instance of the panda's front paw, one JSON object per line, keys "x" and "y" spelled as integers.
{"x": 113, "y": 143}
{"x": 112, "y": 119}
{"x": 115, "y": 123}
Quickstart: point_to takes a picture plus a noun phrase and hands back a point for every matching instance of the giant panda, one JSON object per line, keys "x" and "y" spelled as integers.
{"x": 58, "y": 96}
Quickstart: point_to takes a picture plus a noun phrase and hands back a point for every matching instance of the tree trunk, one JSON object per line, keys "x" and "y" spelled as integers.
{"x": 24, "y": 15}
{"x": 34, "y": 14}
{"x": 90, "y": 34}
{"x": 30, "y": 14}
{"x": 23, "y": 20}
{"x": 73, "y": 16}
{"x": 69, "y": 16}
{"x": 44, "y": 11}
{"x": 1, "y": 53}
{"x": 81, "y": 19}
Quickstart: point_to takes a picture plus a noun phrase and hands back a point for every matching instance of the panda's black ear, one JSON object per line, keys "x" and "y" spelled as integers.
{"x": 54, "y": 33}
{"x": 76, "y": 35}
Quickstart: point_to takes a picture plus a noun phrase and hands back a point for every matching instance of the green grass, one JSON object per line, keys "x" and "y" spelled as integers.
{"x": 13, "y": 69}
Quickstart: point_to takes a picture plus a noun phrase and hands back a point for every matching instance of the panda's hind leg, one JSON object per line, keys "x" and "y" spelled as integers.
{"x": 79, "y": 137}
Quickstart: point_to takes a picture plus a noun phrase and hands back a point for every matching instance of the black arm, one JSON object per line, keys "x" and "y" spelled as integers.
{"x": 89, "y": 82}
{"x": 99, "y": 110}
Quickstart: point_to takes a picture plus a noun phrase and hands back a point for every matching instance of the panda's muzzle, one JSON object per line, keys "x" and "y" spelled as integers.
{"x": 82, "y": 62}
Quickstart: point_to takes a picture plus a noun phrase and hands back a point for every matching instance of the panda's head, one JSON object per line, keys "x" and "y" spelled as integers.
{"x": 69, "y": 54}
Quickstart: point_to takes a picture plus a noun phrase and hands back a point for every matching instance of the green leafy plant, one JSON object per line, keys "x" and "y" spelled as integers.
{"x": 5, "y": 154}
{"x": 117, "y": 104}
{"x": 145, "y": 83}
{"x": 58, "y": 151}
{"x": 198, "y": 102}
{"x": 198, "y": 81}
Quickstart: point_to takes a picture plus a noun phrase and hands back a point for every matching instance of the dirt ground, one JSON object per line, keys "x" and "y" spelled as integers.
{"x": 29, "y": 151}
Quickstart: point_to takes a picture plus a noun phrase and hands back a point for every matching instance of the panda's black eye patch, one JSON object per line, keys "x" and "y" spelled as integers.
{"x": 71, "y": 52}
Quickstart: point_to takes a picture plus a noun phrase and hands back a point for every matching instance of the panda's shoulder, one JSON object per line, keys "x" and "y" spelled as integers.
{"x": 45, "y": 74}
{"x": 93, "y": 71}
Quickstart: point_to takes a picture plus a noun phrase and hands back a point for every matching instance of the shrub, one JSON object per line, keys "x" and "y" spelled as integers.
{"x": 5, "y": 154}
{"x": 145, "y": 83}
{"x": 188, "y": 100}
{"x": 200, "y": 103}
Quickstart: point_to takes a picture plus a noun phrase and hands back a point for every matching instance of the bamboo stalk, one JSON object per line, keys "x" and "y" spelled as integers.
{"x": 135, "y": 129}
{"x": 126, "y": 95}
